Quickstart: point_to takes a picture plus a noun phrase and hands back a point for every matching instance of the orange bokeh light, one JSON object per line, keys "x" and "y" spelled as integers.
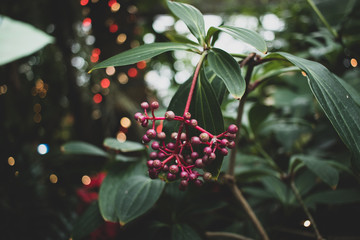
{"x": 97, "y": 98}
{"x": 132, "y": 72}
{"x": 111, "y": 2}
{"x": 105, "y": 83}
{"x": 96, "y": 51}
{"x": 141, "y": 65}
{"x": 94, "y": 58}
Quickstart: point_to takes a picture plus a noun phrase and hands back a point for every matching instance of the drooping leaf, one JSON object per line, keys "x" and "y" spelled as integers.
{"x": 115, "y": 177}
{"x": 191, "y": 16}
{"x": 338, "y": 103}
{"x": 135, "y": 196}
{"x": 127, "y": 146}
{"x": 183, "y": 232}
{"x": 226, "y": 67}
{"x": 320, "y": 168}
{"x": 141, "y": 53}
{"x": 83, "y": 148}
{"x": 248, "y": 36}
{"x": 19, "y": 39}
{"x": 87, "y": 222}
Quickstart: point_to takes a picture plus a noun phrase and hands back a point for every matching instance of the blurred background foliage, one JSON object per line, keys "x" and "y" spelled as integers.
{"x": 49, "y": 98}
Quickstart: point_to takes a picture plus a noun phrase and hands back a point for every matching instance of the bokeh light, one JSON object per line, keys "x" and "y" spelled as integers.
{"x": 115, "y": 7}
{"x": 132, "y": 72}
{"x": 110, "y": 70}
{"x": 113, "y": 28}
{"x": 53, "y": 178}
{"x": 121, "y": 137}
{"x": 43, "y": 149}
{"x": 97, "y": 98}
{"x": 84, "y": 2}
{"x": 307, "y": 223}
{"x": 353, "y": 62}
{"x": 123, "y": 78}
{"x": 125, "y": 122}
{"x": 121, "y": 38}
{"x": 141, "y": 65}
{"x": 86, "y": 180}
{"x": 11, "y": 161}
{"x": 86, "y": 22}
{"x": 105, "y": 83}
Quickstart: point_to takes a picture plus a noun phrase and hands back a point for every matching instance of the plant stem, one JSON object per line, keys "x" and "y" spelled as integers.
{"x": 322, "y": 19}
{"x": 230, "y": 180}
{"x": 225, "y": 235}
{"x": 193, "y": 84}
{"x": 306, "y": 210}
{"x": 188, "y": 102}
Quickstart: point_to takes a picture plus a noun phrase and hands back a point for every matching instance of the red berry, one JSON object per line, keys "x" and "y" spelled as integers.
{"x": 212, "y": 156}
{"x": 224, "y": 151}
{"x": 195, "y": 140}
{"x": 144, "y": 105}
{"x": 204, "y": 137}
{"x": 192, "y": 176}
{"x": 145, "y": 139}
{"x": 154, "y": 105}
{"x": 184, "y": 183}
{"x": 207, "y": 176}
{"x": 150, "y": 163}
{"x": 231, "y": 144}
{"x": 156, "y": 163}
{"x": 137, "y": 115}
{"x": 198, "y": 183}
{"x": 199, "y": 163}
{"x": 153, "y": 155}
{"x": 232, "y": 129}
{"x": 207, "y": 150}
{"x": 171, "y": 176}
{"x": 170, "y": 146}
{"x": 187, "y": 115}
{"x": 161, "y": 136}
{"x": 193, "y": 122}
{"x": 194, "y": 155}
{"x": 169, "y": 115}
{"x": 174, "y": 169}
{"x": 155, "y": 145}
{"x": 184, "y": 175}
{"x": 224, "y": 142}
{"x": 151, "y": 133}
{"x": 165, "y": 168}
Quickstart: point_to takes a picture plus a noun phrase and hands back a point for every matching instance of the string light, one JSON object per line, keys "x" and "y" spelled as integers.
{"x": 125, "y": 122}
{"x": 86, "y": 180}
{"x": 105, "y": 83}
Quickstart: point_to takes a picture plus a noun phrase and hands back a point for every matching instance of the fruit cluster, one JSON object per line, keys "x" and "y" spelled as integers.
{"x": 179, "y": 156}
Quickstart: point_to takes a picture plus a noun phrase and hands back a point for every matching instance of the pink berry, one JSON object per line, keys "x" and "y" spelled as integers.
{"x": 174, "y": 169}
{"x": 156, "y": 163}
{"x": 224, "y": 151}
{"x": 204, "y": 137}
{"x": 194, "y": 155}
{"x": 145, "y": 139}
{"x": 199, "y": 163}
{"x": 184, "y": 175}
{"x": 155, "y": 145}
{"x": 154, "y": 105}
{"x": 137, "y": 115}
{"x": 161, "y": 136}
{"x": 207, "y": 150}
{"x": 207, "y": 176}
{"x": 169, "y": 115}
{"x": 193, "y": 122}
{"x": 187, "y": 115}
{"x": 231, "y": 144}
{"x": 151, "y": 133}
{"x": 150, "y": 163}
{"x": 144, "y": 105}
{"x": 195, "y": 140}
{"x": 232, "y": 129}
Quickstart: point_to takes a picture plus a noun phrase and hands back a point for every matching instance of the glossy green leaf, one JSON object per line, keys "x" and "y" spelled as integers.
{"x": 88, "y": 221}
{"x": 217, "y": 84}
{"x": 135, "y": 196}
{"x": 191, "y": 16}
{"x": 83, "y": 148}
{"x": 115, "y": 177}
{"x": 320, "y": 168}
{"x": 254, "y": 172}
{"x": 257, "y": 115}
{"x": 174, "y": 37}
{"x": 183, "y": 232}
{"x": 247, "y": 36}
{"x": 338, "y": 103}
{"x": 226, "y": 67}
{"x": 127, "y": 146}
{"x": 279, "y": 190}
{"x": 141, "y": 53}
{"x": 19, "y": 39}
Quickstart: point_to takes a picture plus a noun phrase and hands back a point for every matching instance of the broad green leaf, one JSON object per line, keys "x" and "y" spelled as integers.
{"x": 340, "y": 196}
{"x": 83, "y": 148}
{"x": 338, "y": 103}
{"x": 19, "y": 39}
{"x": 124, "y": 158}
{"x": 174, "y": 37}
{"x": 127, "y": 146}
{"x": 354, "y": 94}
{"x": 117, "y": 174}
{"x": 257, "y": 114}
{"x": 183, "y": 232}
{"x": 248, "y": 36}
{"x": 226, "y": 67}
{"x": 217, "y": 84}
{"x": 254, "y": 172}
{"x": 277, "y": 187}
{"x": 87, "y": 222}
{"x": 320, "y": 168}
{"x": 141, "y": 53}
{"x": 191, "y": 16}
{"x": 135, "y": 196}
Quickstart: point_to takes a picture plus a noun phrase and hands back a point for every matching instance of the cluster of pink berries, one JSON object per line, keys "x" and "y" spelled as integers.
{"x": 179, "y": 158}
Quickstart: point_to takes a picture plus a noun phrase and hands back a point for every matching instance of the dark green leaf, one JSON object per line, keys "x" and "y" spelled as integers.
{"x": 217, "y": 84}
{"x": 183, "y": 232}
{"x": 191, "y": 16}
{"x": 252, "y": 173}
{"x": 226, "y": 67}
{"x": 83, "y": 148}
{"x": 87, "y": 222}
{"x": 127, "y": 146}
{"x": 117, "y": 174}
{"x": 135, "y": 196}
{"x": 257, "y": 114}
{"x": 321, "y": 168}
{"x": 141, "y": 53}
{"x": 243, "y": 34}
{"x": 277, "y": 187}
{"x": 123, "y": 158}
{"x": 338, "y": 103}
{"x": 341, "y": 196}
